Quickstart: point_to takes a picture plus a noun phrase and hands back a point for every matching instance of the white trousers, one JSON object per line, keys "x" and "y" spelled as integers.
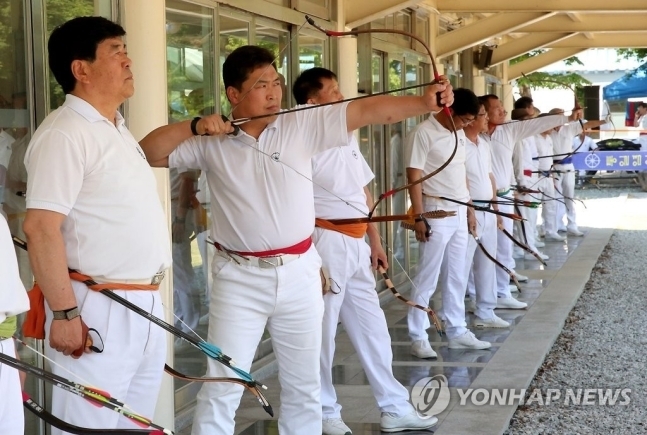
{"x": 448, "y": 244}
{"x": 184, "y": 304}
{"x": 12, "y": 415}
{"x": 548, "y": 204}
{"x": 348, "y": 261}
{"x": 482, "y": 270}
{"x": 530, "y": 216}
{"x": 566, "y": 185}
{"x": 504, "y": 254}
{"x": 130, "y": 367}
{"x": 244, "y": 300}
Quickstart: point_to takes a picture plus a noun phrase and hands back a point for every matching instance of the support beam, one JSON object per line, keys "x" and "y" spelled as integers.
{"x": 517, "y": 47}
{"x": 604, "y": 40}
{"x": 482, "y": 30}
{"x": 634, "y": 22}
{"x": 534, "y": 63}
{"x": 475, "y": 6}
{"x": 362, "y": 12}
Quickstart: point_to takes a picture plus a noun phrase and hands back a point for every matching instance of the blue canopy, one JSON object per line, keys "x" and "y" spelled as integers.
{"x": 631, "y": 85}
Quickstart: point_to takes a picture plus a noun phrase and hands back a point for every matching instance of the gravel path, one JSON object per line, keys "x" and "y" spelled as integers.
{"x": 603, "y": 344}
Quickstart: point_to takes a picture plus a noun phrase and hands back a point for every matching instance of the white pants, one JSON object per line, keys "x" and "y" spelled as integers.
{"x": 566, "y": 185}
{"x": 348, "y": 261}
{"x": 548, "y": 204}
{"x": 130, "y": 367}
{"x": 244, "y": 300}
{"x": 504, "y": 254}
{"x": 530, "y": 216}
{"x": 482, "y": 270}
{"x": 12, "y": 415}
{"x": 184, "y": 304}
{"x": 448, "y": 243}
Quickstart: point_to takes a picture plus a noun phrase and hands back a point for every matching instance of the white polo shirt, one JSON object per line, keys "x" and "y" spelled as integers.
{"x": 341, "y": 172}
{"x": 427, "y": 147}
{"x": 13, "y": 297}
{"x": 544, "y": 146}
{"x": 503, "y": 140}
{"x": 522, "y": 160}
{"x": 257, "y": 202}
{"x": 478, "y": 165}
{"x": 82, "y": 166}
{"x": 563, "y": 139}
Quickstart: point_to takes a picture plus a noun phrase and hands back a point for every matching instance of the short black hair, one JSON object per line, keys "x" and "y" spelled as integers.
{"x": 485, "y": 99}
{"x": 78, "y": 39}
{"x": 309, "y": 83}
{"x": 465, "y": 102}
{"x": 242, "y": 62}
{"x": 642, "y": 104}
{"x": 519, "y": 114}
{"x": 523, "y": 103}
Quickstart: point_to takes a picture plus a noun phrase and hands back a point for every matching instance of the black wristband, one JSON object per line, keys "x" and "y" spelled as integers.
{"x": 194, "y": 125}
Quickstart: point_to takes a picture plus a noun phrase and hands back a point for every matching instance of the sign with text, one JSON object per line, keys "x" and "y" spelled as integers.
{"x": 611, "y": 161}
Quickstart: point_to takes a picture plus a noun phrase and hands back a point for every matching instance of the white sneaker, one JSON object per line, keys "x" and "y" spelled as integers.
{"x": 470, "y": 305}
{"x": 393, "y": 423}
{"x": 467, "y": 341}
{"x": 422, "y": 349}
{"x": 520, "y": 277}
{"x": 574, "y": 232}
{"x": 539, "y": 244}
{"x": 335, "y": 426}
{"x": 531, "y": 257}
{"x": 511, "y": 304}
{"x": 494, "y": 322}
{"x": 513, "y": 288}
{"x": 554, "y": 237}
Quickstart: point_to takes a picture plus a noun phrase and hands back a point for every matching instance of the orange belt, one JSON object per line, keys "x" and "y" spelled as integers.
{"x": 352, "y": 230}
{"x": 34, "y": 325}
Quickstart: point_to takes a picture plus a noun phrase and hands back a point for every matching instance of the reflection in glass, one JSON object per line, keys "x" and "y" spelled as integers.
{"x": 191, "y": 81}
{"x": 311, "y": 52}
{"x": 276, "y": 41}
{"x": 233, "y": 34}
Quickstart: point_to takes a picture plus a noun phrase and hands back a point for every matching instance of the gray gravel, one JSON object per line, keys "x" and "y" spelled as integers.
{"x": 604, "y": 342}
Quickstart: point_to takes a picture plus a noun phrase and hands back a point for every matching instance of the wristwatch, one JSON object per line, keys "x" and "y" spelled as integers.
{"x": 66, "y": 314}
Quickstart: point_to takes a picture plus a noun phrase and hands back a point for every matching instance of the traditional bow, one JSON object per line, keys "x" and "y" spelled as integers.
{"x": 513, "y": 277}
{"x": 93, "y": 395}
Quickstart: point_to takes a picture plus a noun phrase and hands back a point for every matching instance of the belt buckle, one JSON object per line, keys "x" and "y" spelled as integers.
{"x": 267, "y": 262}
{"x": 158, "y": 277}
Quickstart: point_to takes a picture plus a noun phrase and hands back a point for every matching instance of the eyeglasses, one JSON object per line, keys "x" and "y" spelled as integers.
{"x": 466, "y": 121}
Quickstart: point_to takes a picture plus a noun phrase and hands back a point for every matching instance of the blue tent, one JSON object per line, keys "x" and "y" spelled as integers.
{"x": 631, "y": 85}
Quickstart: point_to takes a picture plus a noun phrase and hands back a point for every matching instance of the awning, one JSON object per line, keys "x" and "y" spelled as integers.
{"x": 631, "y": 85}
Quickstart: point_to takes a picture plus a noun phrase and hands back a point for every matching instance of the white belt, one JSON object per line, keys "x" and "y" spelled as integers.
{"x": 155, "y": 280}
{"x": 262, "y": 262}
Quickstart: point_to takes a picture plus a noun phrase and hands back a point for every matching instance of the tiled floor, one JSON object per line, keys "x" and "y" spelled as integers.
{"x": 460, "y": 367}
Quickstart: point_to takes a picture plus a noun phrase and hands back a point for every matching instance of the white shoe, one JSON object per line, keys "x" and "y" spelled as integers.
{"x": 511, "y": 304}
{"x": 520, "y": 277}
{"x": 335, "y": 426}
{"x": 574, "y": 232}
{"x": 393, "y": 423}
{"x": 422, "y": 349}
{"x": 561, "y": 230}
{"x": 494, "y": 322}
{"x": 532, "y": 257}
{"x": 468, "y": 341}
{"x": 554, "y": 237}
{"x": 539, "y": 244}
{"x": 513, "y": 288}
{"x": 470, "y": 305}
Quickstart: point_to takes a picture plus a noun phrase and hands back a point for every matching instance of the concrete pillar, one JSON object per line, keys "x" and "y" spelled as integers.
{"x": 478, "y": 85}
{"x": 145, "y": 24}
{"x": 347, "y": 56}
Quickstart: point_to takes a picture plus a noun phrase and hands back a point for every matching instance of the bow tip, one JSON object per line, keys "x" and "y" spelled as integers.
{"x": 269, "y": 410}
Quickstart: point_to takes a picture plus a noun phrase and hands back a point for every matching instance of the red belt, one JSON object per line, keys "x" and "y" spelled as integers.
{"x": 298, "y": 249}
{"x": 527, "y": 172}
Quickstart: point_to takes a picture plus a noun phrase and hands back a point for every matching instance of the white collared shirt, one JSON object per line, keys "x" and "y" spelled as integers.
{"x": 544, "y": 146}
{"x": 563, "y": 139}
{"x": 13, "y": 297}
{"x": 427, "y": 147}
{"x": 504, "y": 138}
{"x": 83, "y": 166}
{"x": 340, "y": 175}
{"x": 260, "y": 199}
{"x": 478, "y": 165}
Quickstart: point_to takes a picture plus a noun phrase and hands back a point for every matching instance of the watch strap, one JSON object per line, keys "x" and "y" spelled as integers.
{"x": 66, "y": 314}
